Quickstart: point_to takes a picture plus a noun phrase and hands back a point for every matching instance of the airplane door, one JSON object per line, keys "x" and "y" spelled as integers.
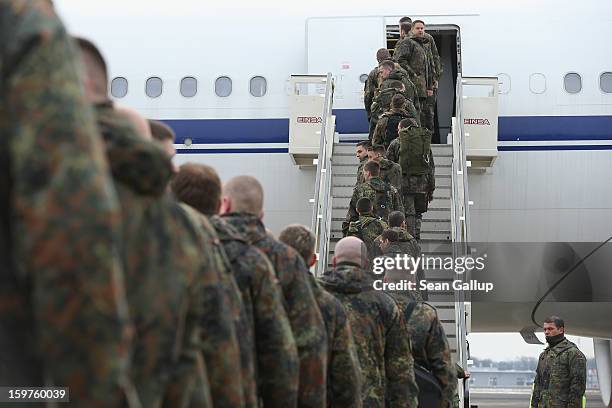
{"x": 346, "y": 47}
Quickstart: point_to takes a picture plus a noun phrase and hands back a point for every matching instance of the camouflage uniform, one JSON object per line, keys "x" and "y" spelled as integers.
{"x": 240, "y": 320}
{"x": 560, "y": 380}
{"x": 269, "y": 326}
{"x": 429, "y": 344}
{"x": 416, "y": 191}
{"x": 412, "y": 56}
{"x": 381, "y": 337}
{"x": 435, "y": 70}
{"x": 360, "y": 177}
{"x": 306, "y": 321}
{"x": 368, "y": 228}
{"x": 390, "y": 118}
{"x": 369, "y": 90}
{"x": 411, "y": 93}
{"x": 63, "y": 312}
{"x": 369, "y": 189}
{"x": 391, "y": 172}
{"x": 343, "y": 370}
{"x": 160, "y": 261}
{"x": 406, "y": 244}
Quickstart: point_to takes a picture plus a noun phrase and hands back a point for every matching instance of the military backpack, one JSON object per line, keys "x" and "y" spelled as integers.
{"x": 391, "y": 132}
{"x": 415, "y": 151}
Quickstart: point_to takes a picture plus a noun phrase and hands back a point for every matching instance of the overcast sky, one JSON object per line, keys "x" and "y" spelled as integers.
{"x": 510, "y": 346}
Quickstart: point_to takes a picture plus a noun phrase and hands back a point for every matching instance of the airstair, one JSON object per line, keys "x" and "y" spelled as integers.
{"x": 445, "y": 227}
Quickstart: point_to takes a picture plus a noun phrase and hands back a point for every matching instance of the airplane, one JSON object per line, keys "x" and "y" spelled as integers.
{"x": 219, "y": 74}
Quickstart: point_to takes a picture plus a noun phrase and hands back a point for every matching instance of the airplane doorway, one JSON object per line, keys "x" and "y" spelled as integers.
{"x": 449, "y": 47}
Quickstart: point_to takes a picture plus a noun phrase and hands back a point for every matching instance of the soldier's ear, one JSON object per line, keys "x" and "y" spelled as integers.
{"x": 226, "y": 205}
{"x": 334, "y": 262}
{"x": 261, "y": 215}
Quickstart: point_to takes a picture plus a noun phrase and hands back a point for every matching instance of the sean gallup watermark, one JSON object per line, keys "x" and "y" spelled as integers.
{"x": 391, "y": 270}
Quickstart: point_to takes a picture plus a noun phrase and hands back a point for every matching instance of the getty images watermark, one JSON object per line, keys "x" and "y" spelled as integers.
{"x": 443, "y": 266}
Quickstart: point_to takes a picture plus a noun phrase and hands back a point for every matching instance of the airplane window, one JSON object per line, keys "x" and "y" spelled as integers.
{"x": 537, "y": 83}
{"x": 605, "y": 82}
{"x": 363, "y": 78}
{"x": 189, "y": 87}
{"x": 223, "y": 86}
{"x": 505, "y": 83}
{"x": 153, "y": 87}
{"x": 572, "y": 82}
{"x": 258, "y": 86}
{"x": 119, "y": 87}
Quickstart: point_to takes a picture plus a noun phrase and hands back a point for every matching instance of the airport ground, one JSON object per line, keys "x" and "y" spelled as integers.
{"x": 489, "y": 398}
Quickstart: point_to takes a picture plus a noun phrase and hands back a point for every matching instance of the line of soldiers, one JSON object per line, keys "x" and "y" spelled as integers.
{"x": 400, "y": 97}
{"x": 134, "y": 283}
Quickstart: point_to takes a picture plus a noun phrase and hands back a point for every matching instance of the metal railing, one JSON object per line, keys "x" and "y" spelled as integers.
{"x": 460, "y": 221}
{"x": 322, "y": 206}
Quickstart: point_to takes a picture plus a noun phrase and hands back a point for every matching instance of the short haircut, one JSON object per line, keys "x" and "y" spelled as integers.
{"x": 390, "y": 235}
{"x": 398, "y": 101}
{"x": 160, "y": 131}
{"x": 395, "y": 84}
{"x": 372, "y": 167}
{"x": 387, "y": 64}
{"x": 199, "y": 186}
{"x": 556, "y": 320}
{"x": 379, "y": 149}
{"x": 95, "y": 65}
{"x": 405, "y": 19}
{"x": 299, "y": 238}
{"x": 365, "y": 144}
{"x": 405, "y": 27}
{"x": 396, "y": 219}
{"x": 408, "y": 122}
{"x": 417, "y": 21}
{"x": 383, "y": 54}
{"x": 246, "y": 194}
{"x": 364, "y": 205}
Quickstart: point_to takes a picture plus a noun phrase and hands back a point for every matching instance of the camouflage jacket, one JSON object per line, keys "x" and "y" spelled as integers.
{"x": 434, "y": 57}
{"x": 360, "y": 178}
{"x": 429, "y": 344}
{"x": 63, "y": 311}
{"x": 269, "y": 326}
{"x": 343, "y": 370}
{"x": 412, "y": 56}
{"x": 382, "y": 103}
{"x": 407, "y": 244}
{"x": 367, "y": 228}
{"x": 400, "y": 74}
{"x": 391, "y": 172}
{"x": 369, "y": 90}
{"x": 380, "y": 132}
{"x": 560, "y": 377}
{"x": 157, "y": 255}
{"x": 381, "y": 338}
{"x": 413, "y": 184}
{"x": 239, "y": 319}
{"x": 385, "y": 198}
{"x": 304, "y": 315}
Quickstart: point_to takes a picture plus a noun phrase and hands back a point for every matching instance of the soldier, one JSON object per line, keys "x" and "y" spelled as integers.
{"x": 390, "y": 172}
{"x": 384, "y": 196}
{"x": 392, "y": 71}
{"x": 382, "y": 102}
{"x": 368, "y": 227}
{"x": 413, "y": 58}
{"x": 371, "y": 84}
{"x": 561, "y": 374}
{"x": 63, "y": 311}
{"x": 383, "y": 345}
{"x": 268, "y": 330}
{"x": 386, "y": 128}
{"x": 418, "y": 34}
{"x": 430, "y": 347}
{"x": 413, "y": 152}
{"x": 242, "y": 208}
{"x": 343, "y": 370}
{"x": 178, "y": 298}
{"x": 362, "y": 155}
{"x": 405, "y": 243}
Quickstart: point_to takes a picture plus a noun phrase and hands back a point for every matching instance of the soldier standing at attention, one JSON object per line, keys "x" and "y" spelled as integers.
{"x": 63, "y": 311}
{"x": 560, "y": 379}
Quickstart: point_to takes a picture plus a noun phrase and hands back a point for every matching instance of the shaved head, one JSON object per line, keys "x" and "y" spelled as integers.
{"x": 95, "y": 75}
{"x": 245, "y": 194}
{"x": 351, "y": 249}
{"x": 141, "y": 125}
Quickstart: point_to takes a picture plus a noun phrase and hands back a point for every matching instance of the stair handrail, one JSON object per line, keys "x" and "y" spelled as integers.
{"x": 460, "y": 223}
{"x": 321, "y": 213}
